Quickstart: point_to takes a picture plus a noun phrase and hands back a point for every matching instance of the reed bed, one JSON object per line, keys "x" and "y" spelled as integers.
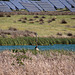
{"x": 34, "y": 41}
{"x": 32, "y": 62}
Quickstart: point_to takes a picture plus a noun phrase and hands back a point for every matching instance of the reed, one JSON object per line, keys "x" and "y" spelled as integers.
{"x": 32, "y": 41}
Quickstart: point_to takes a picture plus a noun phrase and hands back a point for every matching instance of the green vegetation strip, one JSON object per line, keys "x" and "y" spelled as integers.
{"x": 32, "y": 41}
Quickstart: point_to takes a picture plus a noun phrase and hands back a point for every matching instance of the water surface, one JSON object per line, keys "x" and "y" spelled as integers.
{"x": 49, "y": 47}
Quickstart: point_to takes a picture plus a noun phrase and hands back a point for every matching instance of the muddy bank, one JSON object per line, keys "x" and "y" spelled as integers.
{"x": 37, "y": 63}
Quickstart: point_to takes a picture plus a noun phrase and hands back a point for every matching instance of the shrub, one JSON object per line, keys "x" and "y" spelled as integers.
{"x": 31, "y": 19}
{"x": 13, "y": 29}
{"x": 63, "y": 22}
{"x": 36, "y": 17}
{"x": 69, "y": 34}
{"x": 8, "y": 16}
{"x": 19, "y": 20}
{"x": 59, "y": 34}
{"x": 1, "y": 15}
{"x": 23, "y": 21}
{"x": 49, "y": 21}
{"x": 53, "y": 19}
{"x": 25, "y": 18}
{"x": 43, "y": 17}
{"x": 31, "y": 22}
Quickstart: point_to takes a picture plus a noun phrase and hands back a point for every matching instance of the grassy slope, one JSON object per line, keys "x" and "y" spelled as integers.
{"x": 45, "y": 29}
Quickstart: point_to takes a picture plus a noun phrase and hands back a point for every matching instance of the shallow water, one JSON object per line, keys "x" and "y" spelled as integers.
{"x": 49, "y": 47}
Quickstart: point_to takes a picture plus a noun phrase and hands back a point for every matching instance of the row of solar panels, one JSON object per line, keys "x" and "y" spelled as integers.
{"x": 37, "y": 6}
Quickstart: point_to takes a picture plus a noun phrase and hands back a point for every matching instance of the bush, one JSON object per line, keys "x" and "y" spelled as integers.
{"x": 23, "y": 21}
{"x": 30, "y": 19}
{"x": 8, "y": 16}
{"x": 41, "y": 19}
{"x": 13, "y": 29}
{"x": 1, "y": 15}
{"x": 36, "y": 17}
{"x": 69, "y": 34}
{"x": 49, "y": 21}
{"x": 63, "y": 22}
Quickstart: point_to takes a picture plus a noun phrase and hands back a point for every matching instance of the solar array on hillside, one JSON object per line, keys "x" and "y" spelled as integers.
{"x": 3, "y": 3}
{"x": 72, "y": 9}
{"x": 57, "y": 4}
{"x": 66, "y": 3}
{"x": 36, "y": 6}
{"x": 17, "y": 4}
{"x": 4, "y": 8}
{"x": 10, "y": 5}
{"x": 71, "y": 2}
{"x": 45, "y": 6}
{"x": 0, "y": 4}
{"x": 26, "y": 1}
{"x": 34, "y": 2}
{"x": 30, "y": 7}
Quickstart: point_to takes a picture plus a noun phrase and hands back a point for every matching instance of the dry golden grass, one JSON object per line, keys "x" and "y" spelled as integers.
{"x": 42, "y": 63}
{"x": 44, "y": 29}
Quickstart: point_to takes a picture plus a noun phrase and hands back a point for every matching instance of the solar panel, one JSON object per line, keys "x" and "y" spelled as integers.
{"x": 10, "y": 5}
{"x": 72, "y": 9}
{"x": 57, "y": 4}
{"x": 47, "y": 2}
{"x": 23, "y": 1}
{"x": 26, "y": 1}
{"x": 66, "y": 3}
{"x": 71, "y": 2}
{"x": 0, "y": 4}
{"x": 30, "y": 7}
{"x": 4, "y": 8}
{"x": 17, "y": 4}
{"x": 34, "y": 2}
{"x": 74, "y": 0}
{"x": 3, "y": 3}
{"x": 45, "y": 6}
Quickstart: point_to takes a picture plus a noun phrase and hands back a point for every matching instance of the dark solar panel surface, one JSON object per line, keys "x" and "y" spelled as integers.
{"x": 18, "y": 5}
{"x": 4, "y": 8}
{"x": 34, "y": 2}
{"x": 26, "y": 1}
{"x": 71, "y": 2}
{"x": 45, "y": 6}
{"x": 3, "y": 3}
{"x": 30, "y": 7}
{"x": 10, "y": 5}
{"x": 57, "y": 3}
{"x": 66, "y": 3}
{"x": 47, "y": 2}
{"x": 72, "y": 9}
{"x": 0, "y": 4}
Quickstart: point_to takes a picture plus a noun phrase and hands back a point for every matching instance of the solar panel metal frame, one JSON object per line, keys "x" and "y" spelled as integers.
{"x": 4, "y": 8}
{"x": 17, "y": 5}
{"x": 10, "y": 5}
{"x": 71, "y": 2}
{"x": 30, "y": 7}
{"x": 66, "y": 3}
{"x": 44, "y": 4}
{"x": 57, "y": 4}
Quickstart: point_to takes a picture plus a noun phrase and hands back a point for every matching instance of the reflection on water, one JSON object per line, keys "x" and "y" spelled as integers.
{"x": 49, "y": 47}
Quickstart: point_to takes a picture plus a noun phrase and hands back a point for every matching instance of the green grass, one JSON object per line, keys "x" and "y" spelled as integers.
{"x": 32, "y": 41}
{"x": 46, "y": 29}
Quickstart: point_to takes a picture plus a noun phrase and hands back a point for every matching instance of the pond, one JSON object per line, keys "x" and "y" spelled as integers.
{"x": 49, "y": 47}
